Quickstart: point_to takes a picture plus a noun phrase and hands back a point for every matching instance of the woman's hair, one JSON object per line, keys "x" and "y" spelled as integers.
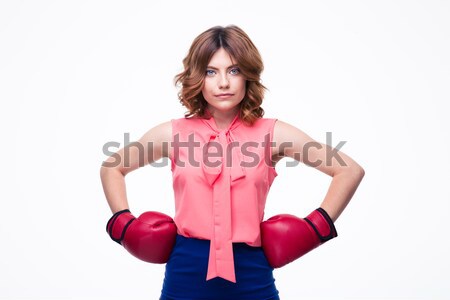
{"x": 236, "y": 43}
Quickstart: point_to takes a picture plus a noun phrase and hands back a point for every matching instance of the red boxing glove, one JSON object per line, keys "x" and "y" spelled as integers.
{"x": 150, "y": 237}
{"x": 285, "y": 237}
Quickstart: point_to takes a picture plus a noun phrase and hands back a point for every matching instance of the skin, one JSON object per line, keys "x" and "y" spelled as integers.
{"x": 222, "y": 76}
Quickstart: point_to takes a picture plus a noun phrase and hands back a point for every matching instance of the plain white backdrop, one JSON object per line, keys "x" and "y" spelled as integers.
{"x": 75, "y": 75}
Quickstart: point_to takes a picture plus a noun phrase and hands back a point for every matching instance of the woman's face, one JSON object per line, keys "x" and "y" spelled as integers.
{"x": 224, "y": 85}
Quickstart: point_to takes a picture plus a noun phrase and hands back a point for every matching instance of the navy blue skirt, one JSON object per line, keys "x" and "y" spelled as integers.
{"x": 185, "y": 275}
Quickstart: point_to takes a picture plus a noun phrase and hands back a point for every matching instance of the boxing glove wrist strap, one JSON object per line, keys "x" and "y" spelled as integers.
{"x": 117, "y": 225}
{"x": 322, "y": 224}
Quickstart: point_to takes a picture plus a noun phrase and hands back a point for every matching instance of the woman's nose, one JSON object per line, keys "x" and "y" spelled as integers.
{"x": 224, "y": 82}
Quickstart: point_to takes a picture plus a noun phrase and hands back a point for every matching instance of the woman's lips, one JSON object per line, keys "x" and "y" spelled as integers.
{"x": 224, "y": 96}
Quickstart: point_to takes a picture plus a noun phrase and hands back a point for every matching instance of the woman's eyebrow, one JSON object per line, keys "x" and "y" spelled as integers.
{"x": 214, "y": 68}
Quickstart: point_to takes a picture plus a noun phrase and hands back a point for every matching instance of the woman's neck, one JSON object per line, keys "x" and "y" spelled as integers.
{"x": 223, "y": 119}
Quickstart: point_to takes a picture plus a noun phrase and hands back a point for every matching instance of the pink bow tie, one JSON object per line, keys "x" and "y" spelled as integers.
{"x": 220, "y": 172}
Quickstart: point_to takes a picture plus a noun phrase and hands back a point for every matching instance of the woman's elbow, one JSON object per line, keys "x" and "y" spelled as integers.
{"x": 110, "y": 165}
{"x": 358, "y": 172}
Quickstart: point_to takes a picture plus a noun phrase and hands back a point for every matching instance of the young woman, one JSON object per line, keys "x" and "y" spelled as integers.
{"x": 223, "y": 155}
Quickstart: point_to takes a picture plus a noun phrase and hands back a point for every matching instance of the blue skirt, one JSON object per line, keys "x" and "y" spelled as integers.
{"x": 185, "y": 275}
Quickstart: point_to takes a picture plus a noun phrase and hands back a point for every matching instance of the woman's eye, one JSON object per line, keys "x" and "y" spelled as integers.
{"x": 235, "y": 71}
{"x": 210, "y": 72}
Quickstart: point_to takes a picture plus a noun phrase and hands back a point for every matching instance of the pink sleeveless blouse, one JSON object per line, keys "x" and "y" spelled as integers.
{"x": 221, "y": 179}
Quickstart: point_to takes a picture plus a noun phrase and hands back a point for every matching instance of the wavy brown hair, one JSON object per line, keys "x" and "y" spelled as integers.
{"x": 236, "y": 43}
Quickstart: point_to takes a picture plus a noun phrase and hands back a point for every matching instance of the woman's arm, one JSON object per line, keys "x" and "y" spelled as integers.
{"x": 153, "y": 145}
{"x": 347, "y": 174}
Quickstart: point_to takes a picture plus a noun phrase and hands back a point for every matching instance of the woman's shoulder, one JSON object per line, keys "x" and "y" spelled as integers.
{"x": 159, "y": 132}
{"x": 265, "y": 123}
{"x": 279, "y": 124}
{"x": 185, "y": 120}
{"x": 185, "y": 123}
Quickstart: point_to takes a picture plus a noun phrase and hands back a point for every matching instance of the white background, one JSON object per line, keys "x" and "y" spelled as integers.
{"x": 77, "y": 74}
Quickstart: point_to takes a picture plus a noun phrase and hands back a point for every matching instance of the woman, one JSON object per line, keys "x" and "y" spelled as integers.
{"x": 223, "y": 155}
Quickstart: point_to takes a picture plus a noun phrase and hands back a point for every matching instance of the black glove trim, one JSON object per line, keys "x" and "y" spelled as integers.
{"x": 125, "y": 229}
{"x": 111, "y": 221}
{"x": 333, "y": 232}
